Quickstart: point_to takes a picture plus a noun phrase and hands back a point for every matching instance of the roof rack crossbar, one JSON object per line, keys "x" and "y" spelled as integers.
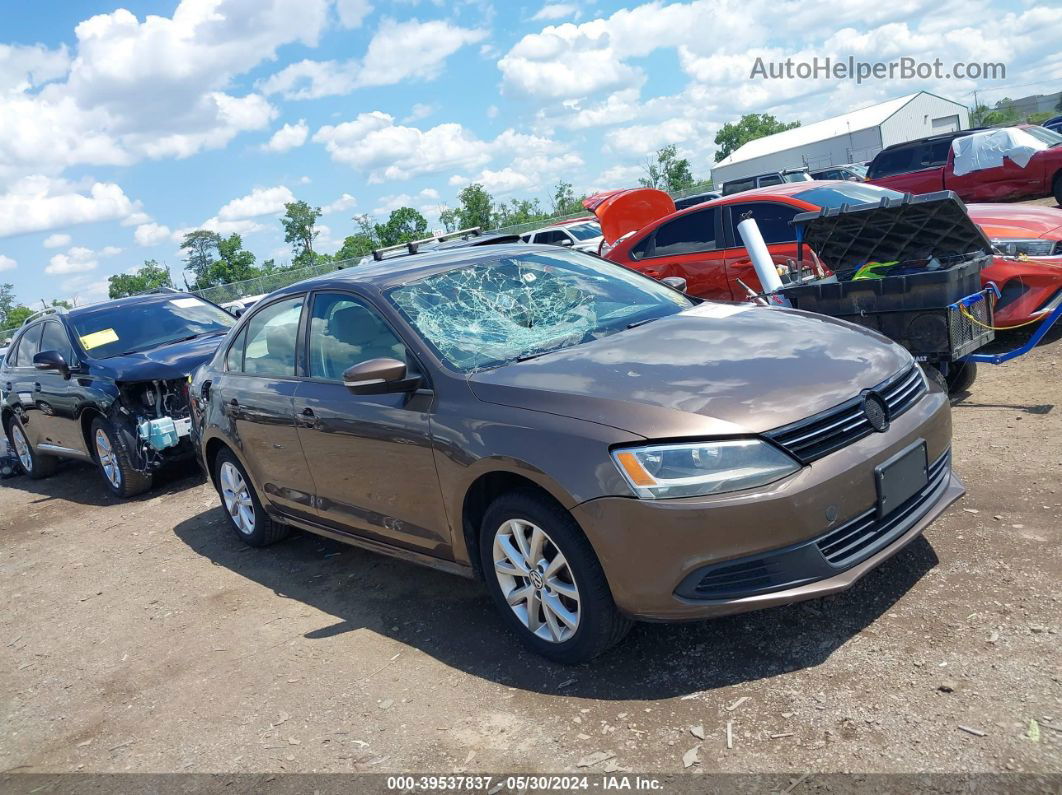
{"x": 51, "y": 310}
{"x": 413, "y": 246}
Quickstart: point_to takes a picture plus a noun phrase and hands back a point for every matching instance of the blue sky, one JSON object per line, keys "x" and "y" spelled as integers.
{"x": 124, "y": 124}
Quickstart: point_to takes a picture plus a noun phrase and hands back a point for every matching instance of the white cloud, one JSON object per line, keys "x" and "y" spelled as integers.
{"x": 58, "y": 240}
{"x": 77, "y": 260}
{"x": 151, "y": 234}
{"x": 398, "y": 52}
{"x": 425, "y": 201}
{"x": 352, "y": 13}
{"x": 136, "y": 218}
{"x": 260, "y": 201}
{"x": 7, "y": 264}
{"x": 420, "y": 110}
{"x": 288, "y": 137}
{"x": 552, "y": 11}
{"x": 23, "y": 68}
{"x": 110, "y": 251}
{"x": 344, "y": 202}
{"x": 373, "y": 143}
{"x": 39, "y": 203}
{"x": 157, "y": 87}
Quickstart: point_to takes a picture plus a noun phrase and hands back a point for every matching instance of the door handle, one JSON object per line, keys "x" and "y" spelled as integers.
{"x": 306, "y": 418}
{"x": 37, "y": 386}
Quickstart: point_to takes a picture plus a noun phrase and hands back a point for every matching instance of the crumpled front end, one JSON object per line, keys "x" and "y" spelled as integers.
{"x": 155, "y": 418}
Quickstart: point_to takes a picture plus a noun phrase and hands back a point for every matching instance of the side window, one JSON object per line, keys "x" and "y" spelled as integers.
{"x": 770, "y": 179}
{"x": 686, "y": 235}
{"x": 739, "y": 185}
{"x": 345, "y": 332}
{"x": 27, "y": 348}
{"x": 271, "y": 338}
{"x": 55, "y": 338}
{"x": 772, "y": 219}
{"x": 552, "y": 236}
{"x": 893, "y": 161}
{"x": 234, "y": 357}
{"x": 641, "y": 248}
{"x": 936, "y": 153}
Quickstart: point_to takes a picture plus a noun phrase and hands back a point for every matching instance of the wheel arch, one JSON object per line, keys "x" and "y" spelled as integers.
{"x": 486, "y": 487}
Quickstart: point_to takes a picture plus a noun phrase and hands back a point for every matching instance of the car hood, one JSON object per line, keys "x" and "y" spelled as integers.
{"x": 714, "y": 369}
{"x": 1017, "y": 221}
{"x": 164, "y": 363}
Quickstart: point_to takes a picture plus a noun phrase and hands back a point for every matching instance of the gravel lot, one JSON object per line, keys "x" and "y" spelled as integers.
{"x": 142, "y": 636}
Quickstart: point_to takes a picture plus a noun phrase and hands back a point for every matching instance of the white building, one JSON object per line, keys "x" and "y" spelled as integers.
{"x": 851, "y": 138}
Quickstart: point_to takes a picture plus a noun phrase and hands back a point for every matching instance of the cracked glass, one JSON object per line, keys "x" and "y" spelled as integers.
{"x": 493, "y": 311}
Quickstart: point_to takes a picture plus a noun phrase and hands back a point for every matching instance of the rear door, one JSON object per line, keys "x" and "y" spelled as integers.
{"x": 22, "y": 381}
{"x": 773, "y": 220}
{"x": 690, "y": 246}
{"x": 257, "y": 392}
{"x": 370, "y": 455}
{"x": 59, "y": 397}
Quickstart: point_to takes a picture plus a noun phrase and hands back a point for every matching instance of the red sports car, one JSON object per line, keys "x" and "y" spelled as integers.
{"x": 701, "y": 244}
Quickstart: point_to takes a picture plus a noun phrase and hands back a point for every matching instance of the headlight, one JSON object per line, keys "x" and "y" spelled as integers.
{"x": 694, "y": 470}
{"x": 1035, "y": 247}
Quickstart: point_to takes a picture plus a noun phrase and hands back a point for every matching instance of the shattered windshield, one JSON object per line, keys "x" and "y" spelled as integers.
{"x": 493, "y": 311}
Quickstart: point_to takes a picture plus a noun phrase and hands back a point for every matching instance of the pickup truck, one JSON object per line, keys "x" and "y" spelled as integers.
{"x": 928, "y": 164}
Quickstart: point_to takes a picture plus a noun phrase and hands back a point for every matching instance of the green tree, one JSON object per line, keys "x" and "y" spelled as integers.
{"x": 518, "y": 211}
{"x": 61, "y": 303}
{"x": 299, "y": 221}
{"x": 355, "y": 247}
{"x": 564, "y": 200}
{"x": 149, "y": 276}
{"x": 403, "y": 225}
{"x": 235, "y": 263}
{"x": 11, "y": 312}
{"x": 202, "y": 248}
{"x": 476, "y": 209}
{"x": 750, "y": 127}
{"x": 670, "y": 172}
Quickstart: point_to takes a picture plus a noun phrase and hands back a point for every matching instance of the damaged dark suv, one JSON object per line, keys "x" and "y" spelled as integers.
{"x": 108, "y": 384}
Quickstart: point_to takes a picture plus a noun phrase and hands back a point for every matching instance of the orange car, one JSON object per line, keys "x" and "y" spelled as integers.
{"x": 701, "y": 244}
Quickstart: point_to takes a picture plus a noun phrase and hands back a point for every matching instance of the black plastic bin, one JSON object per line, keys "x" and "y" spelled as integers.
{"x": 911, "y": 309}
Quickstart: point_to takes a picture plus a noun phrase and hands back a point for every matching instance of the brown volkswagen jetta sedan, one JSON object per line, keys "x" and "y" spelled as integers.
{"x": 596, "y": 446}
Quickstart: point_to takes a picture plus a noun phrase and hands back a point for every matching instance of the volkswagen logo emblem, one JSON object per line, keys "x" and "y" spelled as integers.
{"x": 876, "y": 412}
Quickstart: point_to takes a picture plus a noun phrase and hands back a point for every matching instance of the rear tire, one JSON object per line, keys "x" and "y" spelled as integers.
{"x": 246, "y": 516}
{"x": 1057, "y": 188}
{"x": 36, "y": 465}
{"x": 560, "y": 606}
{"x": 111, "y": 449}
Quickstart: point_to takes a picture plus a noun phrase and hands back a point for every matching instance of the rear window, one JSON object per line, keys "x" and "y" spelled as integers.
{"x": 848, "y": 193}
{"x": 738, "y": 185}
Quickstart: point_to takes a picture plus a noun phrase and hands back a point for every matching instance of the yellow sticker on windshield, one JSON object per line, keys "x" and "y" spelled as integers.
{"x": 98, "y": 338}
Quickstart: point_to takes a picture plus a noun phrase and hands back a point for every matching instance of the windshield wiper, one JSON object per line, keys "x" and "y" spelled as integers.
{"x": 523, "y": 357}
{"x": 642, "y": 322}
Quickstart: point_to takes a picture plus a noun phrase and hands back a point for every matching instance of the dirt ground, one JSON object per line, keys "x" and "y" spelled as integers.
{"x": 143, "y": 636}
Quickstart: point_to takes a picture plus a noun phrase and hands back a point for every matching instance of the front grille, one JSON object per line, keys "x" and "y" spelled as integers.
{"x": 739, "y": 578}
{"x": 838, "y": 427}
{"x": 866, "y": 534}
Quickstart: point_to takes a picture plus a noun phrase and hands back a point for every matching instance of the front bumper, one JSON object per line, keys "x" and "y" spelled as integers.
{"x": 674, "y": 560}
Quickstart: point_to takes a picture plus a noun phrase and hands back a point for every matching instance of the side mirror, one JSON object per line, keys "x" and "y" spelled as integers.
{"x": 51, "y": 360}
{"x": 675, "y": 283}
{"x": 379, "y": 376}
{"x": 566, "y": 241}
{"x": 237, "y": 311}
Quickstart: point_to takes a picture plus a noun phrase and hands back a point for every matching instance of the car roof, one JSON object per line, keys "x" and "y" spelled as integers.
{"x": 413, "y": 267}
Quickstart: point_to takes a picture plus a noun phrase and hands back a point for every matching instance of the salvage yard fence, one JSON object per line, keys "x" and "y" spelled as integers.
{"x": 269, "y": 282}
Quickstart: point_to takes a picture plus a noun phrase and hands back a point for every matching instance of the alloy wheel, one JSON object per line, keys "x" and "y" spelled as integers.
{"x": 237, "y": 498}
{"x": 22, "y": 448}
{"x": 108, "y": 460}
{"x": 536, "y": 580}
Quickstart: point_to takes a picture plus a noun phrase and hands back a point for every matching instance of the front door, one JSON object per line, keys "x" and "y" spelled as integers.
{"x": 59, "y": 397}
{"x": 257, "y": 392}
{"x": 370, "y": 455}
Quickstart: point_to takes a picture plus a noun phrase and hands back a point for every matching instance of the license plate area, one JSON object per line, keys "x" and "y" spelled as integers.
{"x": 901, "y": 477}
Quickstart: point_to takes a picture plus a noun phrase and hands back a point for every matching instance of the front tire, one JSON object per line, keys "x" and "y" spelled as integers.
{"x": 248, "y": 519}
{"x": 34, "y": 464}
{"x": 115, "y": 460}
{"x": 546, "y": 581}
{"x": 960, "y": 377}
